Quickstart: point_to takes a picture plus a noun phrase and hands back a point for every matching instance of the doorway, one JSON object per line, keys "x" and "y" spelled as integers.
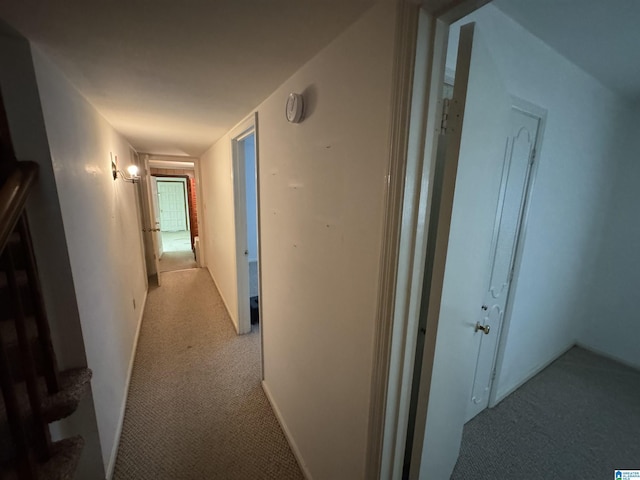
{"x": 175, "y": 205}
{"x": 244, "y": 147}
{"x": 174, "y": 218}
{"x": 484, "y": 164}
{"x": 483, "y": 282}
{"x": 248, "y": 148}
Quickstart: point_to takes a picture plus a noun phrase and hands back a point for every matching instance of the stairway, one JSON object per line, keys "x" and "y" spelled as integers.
{"x": 34, "y": 392}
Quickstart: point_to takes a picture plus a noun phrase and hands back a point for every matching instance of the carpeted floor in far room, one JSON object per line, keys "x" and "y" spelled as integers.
{"x": 577, "y": 419}
{"x": 172, "y": 261}
{"x": 196, "y": 409}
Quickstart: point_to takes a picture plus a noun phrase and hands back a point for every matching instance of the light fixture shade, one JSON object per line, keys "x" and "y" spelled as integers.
{"x": 132, "y": 170}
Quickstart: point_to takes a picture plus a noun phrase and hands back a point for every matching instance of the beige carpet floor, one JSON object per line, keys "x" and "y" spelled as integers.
{"x": 196, "y": 409}
{"x": 171, "y": 261}
{"x": 577, "y": 419}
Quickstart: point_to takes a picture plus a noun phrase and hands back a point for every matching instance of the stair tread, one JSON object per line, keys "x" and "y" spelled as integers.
{"x": 62, "y": 465}
{"x": 73, "y": 385}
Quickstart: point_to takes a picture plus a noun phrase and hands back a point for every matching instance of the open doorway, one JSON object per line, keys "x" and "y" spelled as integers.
{"x": 515, "y": 253}
{"x": 246, "y": 201}
{"x": 174, "y": 198}
{"x": 247, "y": 147}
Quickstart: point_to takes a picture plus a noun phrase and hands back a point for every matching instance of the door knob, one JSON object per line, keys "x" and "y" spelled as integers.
{"x": 484, "y": 328}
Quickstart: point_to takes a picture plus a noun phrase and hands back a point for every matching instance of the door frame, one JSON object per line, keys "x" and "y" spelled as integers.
{"x": 189, "y": 203}
{"x": 245, "y": 128}
{"x": 199, "y": 207}
{"x": 418, "y": 77}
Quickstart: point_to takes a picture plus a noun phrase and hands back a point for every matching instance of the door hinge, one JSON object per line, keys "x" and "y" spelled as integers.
{"x": 446, "y": 103}
{"x": 533, "y": 156}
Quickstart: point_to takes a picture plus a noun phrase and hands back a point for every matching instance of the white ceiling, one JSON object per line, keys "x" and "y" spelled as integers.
{"x": 174, "y": 76}
{"x": 600, "y": 36}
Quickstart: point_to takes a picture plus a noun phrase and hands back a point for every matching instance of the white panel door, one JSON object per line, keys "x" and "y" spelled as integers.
{"x": 513, "y": 192}
{"x": 156, "y": 214}
{"x": 173, "y": 210}
{"x": 461, "y": 228}
{"x": 149, "y": 213}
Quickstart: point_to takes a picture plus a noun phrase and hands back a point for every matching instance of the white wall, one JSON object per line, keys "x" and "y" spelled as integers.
{"x": 23, "y": 108}
{"x": 102, "y": 228}
{"x": 219, "y": 245}
{"x": 322, "y": 187}
{"x": 250, "y": 185}
{"x": 611, "y": 318}
{"x": 569, "y": 202}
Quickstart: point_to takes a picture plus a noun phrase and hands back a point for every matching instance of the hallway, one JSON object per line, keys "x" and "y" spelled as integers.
{"x": 196, "y": 409}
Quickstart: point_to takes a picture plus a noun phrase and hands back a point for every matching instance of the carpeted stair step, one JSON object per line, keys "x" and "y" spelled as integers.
{"x": 74, "y": 384}
{"x": 61, "y": 466}
{"x": 6, "y": 298}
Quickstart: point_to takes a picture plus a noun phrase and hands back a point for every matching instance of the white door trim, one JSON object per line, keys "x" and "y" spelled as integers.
{"x": 200, "y": 220}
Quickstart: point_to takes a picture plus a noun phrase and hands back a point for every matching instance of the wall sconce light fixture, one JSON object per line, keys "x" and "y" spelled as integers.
{"x": 131, "y": 175}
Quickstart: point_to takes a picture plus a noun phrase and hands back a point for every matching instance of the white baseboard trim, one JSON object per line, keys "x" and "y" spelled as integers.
{"x": 116, "y": 443}
{"x": 532, "y": 373}
{"x": 234, "y": 320}
{"x": 287, "y": 433}
{"x": 608, "y": 355}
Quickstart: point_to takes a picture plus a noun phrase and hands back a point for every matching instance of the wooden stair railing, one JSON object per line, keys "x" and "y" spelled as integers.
{"x": 34, "y": 392}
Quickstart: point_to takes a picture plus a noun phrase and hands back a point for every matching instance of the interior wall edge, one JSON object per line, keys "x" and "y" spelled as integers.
{"x": 609, "y": 355}
{"x": 233, "y": 318}
{"x": 287, "y": 434}
{"x": 503, "y": 391}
